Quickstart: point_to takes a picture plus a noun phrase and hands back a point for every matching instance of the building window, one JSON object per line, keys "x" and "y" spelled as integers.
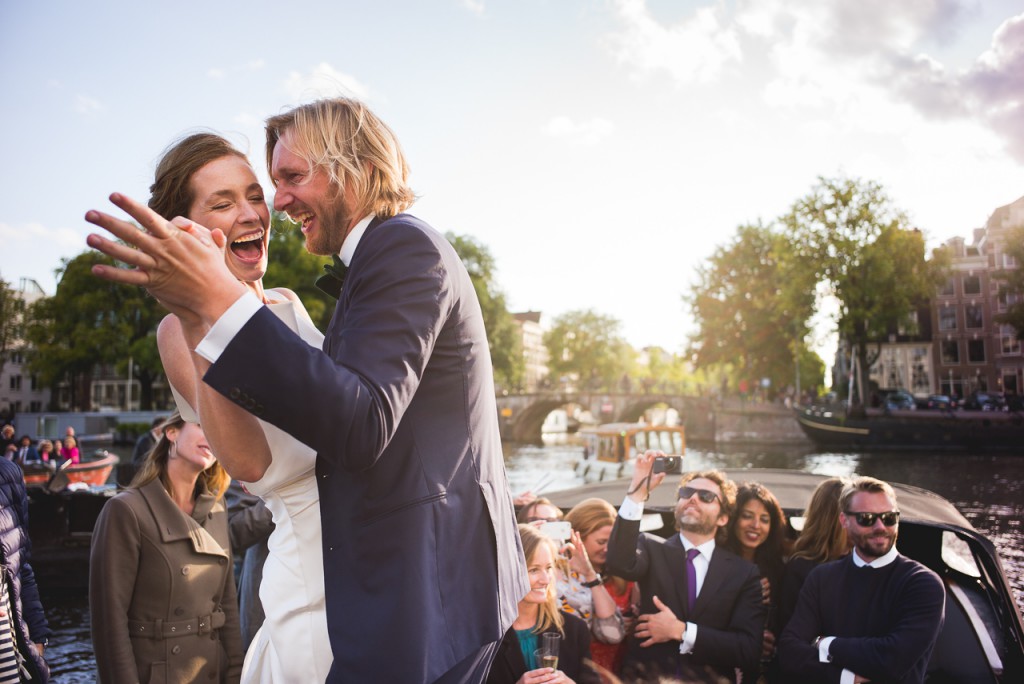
{"x": 1009, "y": 261}
{"x": 950, "y": 352}
{"x": 972, "y": 285}
{"x": 16, "y": 382}
{"x": 908, "y": 325}
{"x": 973, "y": 317}
{"x": 947, "y": 318}
{"x": 948, "y": 289}
{"x": 1008, "y": 341}
{"x": 975, "y": 351}
{"x": 35, "y": 406}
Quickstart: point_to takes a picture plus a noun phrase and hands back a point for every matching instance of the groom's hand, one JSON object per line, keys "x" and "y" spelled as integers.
{"x": 180, "y": 262}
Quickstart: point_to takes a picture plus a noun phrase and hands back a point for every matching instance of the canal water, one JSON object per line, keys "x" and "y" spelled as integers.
{"x": 987, "y": 489}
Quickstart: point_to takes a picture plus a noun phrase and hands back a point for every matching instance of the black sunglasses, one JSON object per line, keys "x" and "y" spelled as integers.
{"x": 889, "y": 518}
{"x": 705, "y": 495}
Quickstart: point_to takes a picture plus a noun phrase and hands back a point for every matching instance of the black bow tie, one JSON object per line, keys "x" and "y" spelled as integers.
{"x": 333, "y": 278}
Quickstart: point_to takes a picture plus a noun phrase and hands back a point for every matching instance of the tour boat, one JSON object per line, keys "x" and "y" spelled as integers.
{"x": 94, "y": 470}
{"x": 611, "y": 448}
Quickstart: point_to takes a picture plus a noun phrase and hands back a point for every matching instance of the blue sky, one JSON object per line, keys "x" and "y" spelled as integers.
{"x": 600, "y": 149}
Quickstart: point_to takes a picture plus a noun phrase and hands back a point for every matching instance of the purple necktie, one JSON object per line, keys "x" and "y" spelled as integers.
{"x": 691, "y": 580}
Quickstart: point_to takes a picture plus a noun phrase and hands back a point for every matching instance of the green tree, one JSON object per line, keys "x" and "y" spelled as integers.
{"x": 90, "y": 321}
{"x": 291, "y": 266}
{"x": 1011, "y": 285}
{"x": 587, "y": 346}
{"x": 874, "y": 263}
{"x": 503, "y": 335}
{"x": 751, "y": 303}
{"x": 12, "y": 307}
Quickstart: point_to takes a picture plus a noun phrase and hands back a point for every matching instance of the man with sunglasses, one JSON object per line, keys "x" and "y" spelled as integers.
{"x": 872, "y": 616}
{"x": 702, "y": 617}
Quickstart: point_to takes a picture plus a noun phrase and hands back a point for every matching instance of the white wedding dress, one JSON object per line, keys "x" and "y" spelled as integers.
{"x": 292, "y": 644}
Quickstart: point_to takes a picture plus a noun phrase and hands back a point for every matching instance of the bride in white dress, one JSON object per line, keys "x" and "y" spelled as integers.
{"x": 205, "y": 179}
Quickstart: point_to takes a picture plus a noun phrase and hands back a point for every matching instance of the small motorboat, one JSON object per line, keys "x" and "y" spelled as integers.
{"x": 93, "y": 470}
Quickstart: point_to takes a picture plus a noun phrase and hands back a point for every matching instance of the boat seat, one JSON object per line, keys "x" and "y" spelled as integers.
{"x": 961, "y": 656}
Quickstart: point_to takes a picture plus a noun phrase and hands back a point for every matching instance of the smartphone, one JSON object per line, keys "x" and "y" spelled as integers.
{"x": 560, "y": 531}
{"x": 668, "y": 464}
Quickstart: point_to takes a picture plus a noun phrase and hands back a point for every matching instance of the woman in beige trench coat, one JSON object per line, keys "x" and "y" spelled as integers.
{"x": 161, "y": 586}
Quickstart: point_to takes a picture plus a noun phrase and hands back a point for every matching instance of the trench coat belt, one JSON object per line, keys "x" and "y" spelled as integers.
{"x": 166, "y": 629}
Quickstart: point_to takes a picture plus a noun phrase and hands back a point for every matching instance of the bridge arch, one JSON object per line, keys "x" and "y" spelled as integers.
{"x": 526, "y": 427}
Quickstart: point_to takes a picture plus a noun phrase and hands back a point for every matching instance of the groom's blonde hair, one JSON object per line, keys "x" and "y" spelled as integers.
{"x": 353, "y": 147}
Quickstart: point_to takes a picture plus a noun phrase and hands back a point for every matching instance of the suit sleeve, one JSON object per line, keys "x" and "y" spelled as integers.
{"x": 396, "y": 304}
{"x": 919, "y": 610}
{"x": 627, "y": 554}
{"x": 113, "y": 569}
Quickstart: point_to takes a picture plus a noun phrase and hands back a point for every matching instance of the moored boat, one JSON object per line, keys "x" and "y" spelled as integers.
{"x": 982, "y": 637}
{"x": 610, "y": 449}
{"x": 93, "y": 470}
{"x": 830, "y": 428}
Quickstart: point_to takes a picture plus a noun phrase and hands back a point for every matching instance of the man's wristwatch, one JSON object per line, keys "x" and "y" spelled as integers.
{"x": 593, "y": 583}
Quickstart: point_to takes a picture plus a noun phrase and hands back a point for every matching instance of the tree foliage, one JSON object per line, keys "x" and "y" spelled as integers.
{"x": 12, "y": 307}
{"x": 1011, "y": 284}
{"x": 751, "y": 303}
{"x": 91, "y": 321}
{"x": 588, "y": 347}
{"x": 864, "y": 249}
{"x": 503, "y": 335}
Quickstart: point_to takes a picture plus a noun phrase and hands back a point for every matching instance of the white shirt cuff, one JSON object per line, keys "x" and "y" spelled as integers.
{"x": 689, "y": 639}
{"x": 823, "y": 645}
{"x": 631, "y": 510}
{"x": 847, "y": 677}
{"x": 227, "y": 326}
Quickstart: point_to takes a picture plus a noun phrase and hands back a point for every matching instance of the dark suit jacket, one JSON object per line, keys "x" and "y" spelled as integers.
{"x": 509, "y": 664}
{"x": 419, "y": 538}
{"x": 729, "y": 612}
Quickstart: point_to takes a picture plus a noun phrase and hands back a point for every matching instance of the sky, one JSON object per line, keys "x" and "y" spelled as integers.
{"x": 600, "y": 149}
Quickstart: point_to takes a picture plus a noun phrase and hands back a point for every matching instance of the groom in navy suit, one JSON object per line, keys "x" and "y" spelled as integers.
{"x": 423, "y": 563}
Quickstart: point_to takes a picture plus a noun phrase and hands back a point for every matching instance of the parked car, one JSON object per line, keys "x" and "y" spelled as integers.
{"x": 899, "y": 400}
{"x": 940, "y": 402}
{"x": 985, "y": 401}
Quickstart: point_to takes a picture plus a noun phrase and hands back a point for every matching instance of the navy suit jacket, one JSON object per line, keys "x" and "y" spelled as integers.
{"x": 729, "y": 612}
{"x": 419, "y": 537}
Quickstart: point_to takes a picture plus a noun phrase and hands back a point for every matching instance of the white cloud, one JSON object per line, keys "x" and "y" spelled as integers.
{"x": 87, "y": 105}
{"x": 325, "y": 81}
{"x": 474, "y": 6}
{"x": 582, "y": 133}
{"x": 695, "y": 50}
{"x": 216, "y": 73}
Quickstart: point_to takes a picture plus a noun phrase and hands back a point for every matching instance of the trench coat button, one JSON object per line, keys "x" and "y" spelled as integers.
{"x": 185, "y": 570}
{"x": 176, "y": 650}
{"x": 179, "y": 611}
{"x": 223, "y": 561}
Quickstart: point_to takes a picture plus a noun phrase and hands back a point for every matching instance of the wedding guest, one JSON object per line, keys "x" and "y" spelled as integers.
{"x": 586, "y": 590}
{"x": 873, "y": 616}
{"x": 822, "y": 539}
{"x": 24, "y": 632}
{"x": 539, "y": 509}
{"x": 756, "y": 534}
{"x": 702, "y": 615}
{"x": 515, "y": 661}
{"x": 146, "y": 440}
{"x": 26, "y": 452}
{"x": 161, "y": 584}
{"x": 46, "y": 451}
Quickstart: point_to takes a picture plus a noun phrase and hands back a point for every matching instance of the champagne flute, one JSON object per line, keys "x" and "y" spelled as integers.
{"x": 549, "y": 644}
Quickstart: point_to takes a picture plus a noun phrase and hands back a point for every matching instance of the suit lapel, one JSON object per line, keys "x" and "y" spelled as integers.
{"x": 718, "y": 570}
{"x": 677, "y": 563}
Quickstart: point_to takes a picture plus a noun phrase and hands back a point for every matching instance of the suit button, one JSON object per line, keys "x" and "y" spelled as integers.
{"x": 179, "y": 611}
{"x": 176, "y": 650}
{"x": 234, "y": 393}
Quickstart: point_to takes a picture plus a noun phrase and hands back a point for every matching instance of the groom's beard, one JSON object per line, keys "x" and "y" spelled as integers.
{"x": 333, "y": 219}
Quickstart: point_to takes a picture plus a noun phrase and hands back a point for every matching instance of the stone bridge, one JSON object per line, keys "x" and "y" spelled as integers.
{"x": 522, "y": 415}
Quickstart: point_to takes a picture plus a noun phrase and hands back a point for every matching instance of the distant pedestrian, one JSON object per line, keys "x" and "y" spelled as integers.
{"x": 146, "y": 441}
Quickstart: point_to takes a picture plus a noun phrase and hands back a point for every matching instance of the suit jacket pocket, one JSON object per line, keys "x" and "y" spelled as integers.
{"x": 399, "y": 507}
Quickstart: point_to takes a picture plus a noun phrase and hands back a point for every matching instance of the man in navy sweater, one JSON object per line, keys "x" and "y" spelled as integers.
{"x": 872, "y": 616}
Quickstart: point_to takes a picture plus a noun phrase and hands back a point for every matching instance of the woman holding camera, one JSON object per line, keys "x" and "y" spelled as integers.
{"x": 600, "y": 601}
